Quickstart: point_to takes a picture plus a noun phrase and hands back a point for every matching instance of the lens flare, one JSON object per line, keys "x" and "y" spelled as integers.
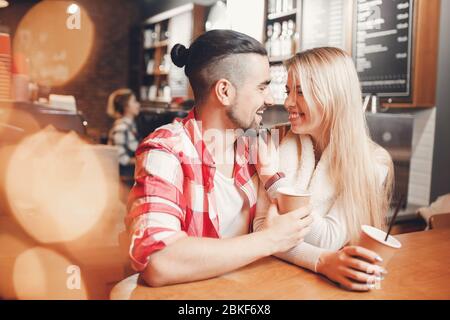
{"x": 15, "y": 124}
{"x": 73, "y": 8}
{"x": 57, "y": 38}
{"x": 11, "y": 246}
{"x": 56, "y": 186}
{"x": 40, "y": 273}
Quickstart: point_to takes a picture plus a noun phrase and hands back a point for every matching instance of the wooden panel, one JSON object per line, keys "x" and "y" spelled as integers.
{"x": 195, "y": 27}
{"x": 424, "y": 64}
{"x": 198, "y": 27}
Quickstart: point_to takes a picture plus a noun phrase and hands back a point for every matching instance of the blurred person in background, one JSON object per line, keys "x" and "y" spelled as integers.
{"x": 123, "y": 106}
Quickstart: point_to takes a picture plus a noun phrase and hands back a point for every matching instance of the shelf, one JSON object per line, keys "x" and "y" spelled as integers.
{"x": 160, "y": 100}
{"x": 280, "y": 59}
{"x": 160, "y": 44}
{"x": 281, "y": 15}
{"x": 156, "y": 74}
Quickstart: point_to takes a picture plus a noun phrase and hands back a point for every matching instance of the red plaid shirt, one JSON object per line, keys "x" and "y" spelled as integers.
{"x": 173, "y": 195}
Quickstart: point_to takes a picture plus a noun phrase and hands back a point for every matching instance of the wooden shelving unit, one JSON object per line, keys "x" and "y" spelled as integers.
{"x": 278, "y": 32}
{"x": 157, "y": 80}
{"x": 306, "y": 15}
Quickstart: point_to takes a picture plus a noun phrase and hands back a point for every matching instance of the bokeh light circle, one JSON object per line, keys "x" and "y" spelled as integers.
{"x": 56, "y": 186}
{"x": 41, "y": 273}
{"x": 57, "y": 43}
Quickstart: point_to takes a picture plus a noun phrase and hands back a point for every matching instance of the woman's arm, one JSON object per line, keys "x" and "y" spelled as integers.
{"x": 329, "y": 231}
{"x": 305, "y": 254}
{"x": 352, "y": 267}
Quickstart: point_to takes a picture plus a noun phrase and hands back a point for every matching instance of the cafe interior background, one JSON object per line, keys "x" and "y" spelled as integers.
{"x": 60, "y": 60}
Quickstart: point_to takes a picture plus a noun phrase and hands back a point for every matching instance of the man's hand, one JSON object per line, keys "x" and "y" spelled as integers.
{"x": 288, "y": 230}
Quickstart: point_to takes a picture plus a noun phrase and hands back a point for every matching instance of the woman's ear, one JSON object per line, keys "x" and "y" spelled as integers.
{"x": 225, "y": 92}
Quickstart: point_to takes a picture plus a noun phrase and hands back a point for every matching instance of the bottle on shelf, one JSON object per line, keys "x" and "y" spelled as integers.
{"x": 284, "y": 39}
{"x": 165, "y": 64}
{"x": 144, "y": 93}
{"x": 154, "y": 37}
{"x": 167, "y": 96}
{"x": 291, "y": 36}
{"x": 152, "y": 92}
{"x": 148, "y": 38}
{"x": 271, "y": 8}
{"x": 269, "y": 40}
{"x": 150, "y": 66}
{"x": 164, "y": 35}
{"x": 284, "y": 6}
{"x": 278, "y": 74}
{"x": 158, "y": 32}
{"x": 276, "y": 43}
{"x": 278, "y": 6}
{"x": 290, "y": 5}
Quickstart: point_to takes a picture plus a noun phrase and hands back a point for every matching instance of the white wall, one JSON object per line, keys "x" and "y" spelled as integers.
{"x": 422, "y": 157}
{"x": 247, "y": 16}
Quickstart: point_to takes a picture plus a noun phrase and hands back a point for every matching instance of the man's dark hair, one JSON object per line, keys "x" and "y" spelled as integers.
{"x": 213, "y": 56}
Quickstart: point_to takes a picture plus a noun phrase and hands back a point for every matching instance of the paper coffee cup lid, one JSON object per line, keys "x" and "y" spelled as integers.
{"x": 380, "y": 235}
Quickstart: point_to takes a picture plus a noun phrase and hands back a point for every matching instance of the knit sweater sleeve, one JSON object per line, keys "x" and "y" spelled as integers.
{"x": 304, "y": 255}
{"x": 328, "y": 232}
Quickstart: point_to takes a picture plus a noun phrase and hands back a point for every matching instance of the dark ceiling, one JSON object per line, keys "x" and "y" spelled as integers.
{"x": 152, "y": 7}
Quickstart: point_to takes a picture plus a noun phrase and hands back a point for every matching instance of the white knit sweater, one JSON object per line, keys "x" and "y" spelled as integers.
{"x": 328, "y": 230}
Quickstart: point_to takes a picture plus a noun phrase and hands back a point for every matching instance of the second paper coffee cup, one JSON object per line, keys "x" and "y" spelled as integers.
{"x": 290, "y": 199}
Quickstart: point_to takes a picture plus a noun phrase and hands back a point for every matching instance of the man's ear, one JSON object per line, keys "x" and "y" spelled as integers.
{"x": 225, "y": 92}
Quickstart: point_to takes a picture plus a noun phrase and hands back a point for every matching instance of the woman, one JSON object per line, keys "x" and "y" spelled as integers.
{"x": 328, "y": 151}
{"x": 123, "y": 106}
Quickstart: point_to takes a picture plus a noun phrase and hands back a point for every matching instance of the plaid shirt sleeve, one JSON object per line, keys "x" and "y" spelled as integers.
{"x": 156, "y": 206}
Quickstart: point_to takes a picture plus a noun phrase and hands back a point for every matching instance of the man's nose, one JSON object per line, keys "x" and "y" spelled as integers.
{"x": 269, "y": 101}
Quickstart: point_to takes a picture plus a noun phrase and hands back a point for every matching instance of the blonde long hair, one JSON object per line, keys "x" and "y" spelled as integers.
{"x": 328, "y": 79}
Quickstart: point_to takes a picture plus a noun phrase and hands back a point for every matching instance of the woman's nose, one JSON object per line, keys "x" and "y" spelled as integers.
{"x": 289, "y": 102}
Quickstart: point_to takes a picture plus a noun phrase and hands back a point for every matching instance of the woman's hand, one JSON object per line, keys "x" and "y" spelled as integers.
{"x": 352, "y": 267}
{"x": 268, "y": 158}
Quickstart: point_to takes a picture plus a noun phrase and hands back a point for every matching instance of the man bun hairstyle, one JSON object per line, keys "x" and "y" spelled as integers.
{"x": 179, "y": 55}
{"x": 214, "y": 55}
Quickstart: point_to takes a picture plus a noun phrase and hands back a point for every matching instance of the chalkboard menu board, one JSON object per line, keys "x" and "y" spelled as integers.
{"x": 382, "y": 46}
{"x": 323, "y": 24}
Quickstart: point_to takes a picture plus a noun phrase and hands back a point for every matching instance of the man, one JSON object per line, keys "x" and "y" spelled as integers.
{"x": 189, "y": 212}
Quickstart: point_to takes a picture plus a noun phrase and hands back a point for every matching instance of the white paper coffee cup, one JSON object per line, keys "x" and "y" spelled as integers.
{"x": 373, "y": 239}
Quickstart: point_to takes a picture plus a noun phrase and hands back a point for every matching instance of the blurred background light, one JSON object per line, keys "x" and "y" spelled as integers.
{"x": 41, "y": 273}
{"x": 56, "y": 186}
{"x": 56, "y": 52}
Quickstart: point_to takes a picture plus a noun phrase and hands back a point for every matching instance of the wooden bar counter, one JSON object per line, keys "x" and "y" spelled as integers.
{"x": 420, "y": 270}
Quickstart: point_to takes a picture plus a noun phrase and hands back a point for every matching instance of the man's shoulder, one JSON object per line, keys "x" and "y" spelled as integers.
{"x": 171, "y": 138}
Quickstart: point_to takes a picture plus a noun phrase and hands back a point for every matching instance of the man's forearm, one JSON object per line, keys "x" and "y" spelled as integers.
{"x": 192, "y": 258}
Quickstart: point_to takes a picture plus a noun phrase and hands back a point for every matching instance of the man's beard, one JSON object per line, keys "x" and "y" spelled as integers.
{"x": 234, "y": 118}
